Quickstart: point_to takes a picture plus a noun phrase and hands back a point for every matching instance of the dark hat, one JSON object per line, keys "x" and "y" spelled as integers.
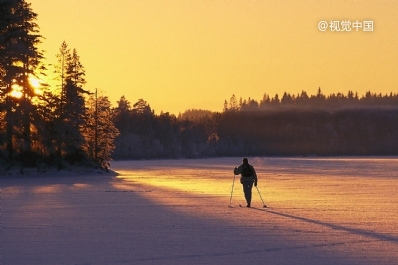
{"x": 245, "y": 160}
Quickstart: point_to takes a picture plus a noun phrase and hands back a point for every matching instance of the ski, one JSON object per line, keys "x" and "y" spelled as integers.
{"x": 242, "y": 206}
{"x": 264, "y": 206}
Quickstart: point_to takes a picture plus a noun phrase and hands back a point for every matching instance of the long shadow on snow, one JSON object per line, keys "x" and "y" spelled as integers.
{"x": 357, "y": 231}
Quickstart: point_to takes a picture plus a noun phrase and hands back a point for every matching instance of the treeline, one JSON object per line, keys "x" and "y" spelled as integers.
{"x": 40, "y": 125}
{"x": 366, "y": 127}
{"x": 306, "y": 132}
{"x": 146, "y": 135}
{"x": 319, "y": 101}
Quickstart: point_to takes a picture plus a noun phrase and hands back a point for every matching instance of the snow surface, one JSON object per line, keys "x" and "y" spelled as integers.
{"x": 321, "y": 211}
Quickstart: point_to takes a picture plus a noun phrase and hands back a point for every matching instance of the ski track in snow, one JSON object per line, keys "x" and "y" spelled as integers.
{"x": 320, "y": 211}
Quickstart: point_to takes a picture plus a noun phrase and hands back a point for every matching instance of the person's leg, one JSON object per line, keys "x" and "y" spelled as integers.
{"x": 249, "y": 193}
{"x": 247, "y": 190}
{"x": 244, "y": 185}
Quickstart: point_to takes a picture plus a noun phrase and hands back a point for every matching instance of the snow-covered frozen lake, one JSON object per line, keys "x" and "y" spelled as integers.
{"x": 320, "y": 211}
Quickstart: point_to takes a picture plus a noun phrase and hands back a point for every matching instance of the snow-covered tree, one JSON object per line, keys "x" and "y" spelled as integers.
{"x": 100, "y": 132}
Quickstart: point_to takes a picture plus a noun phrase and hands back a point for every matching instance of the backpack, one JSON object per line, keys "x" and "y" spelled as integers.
{"x": 247, "y": 170}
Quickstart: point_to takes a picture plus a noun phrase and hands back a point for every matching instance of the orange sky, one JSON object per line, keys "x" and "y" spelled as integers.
{"x": 184, "y": 54}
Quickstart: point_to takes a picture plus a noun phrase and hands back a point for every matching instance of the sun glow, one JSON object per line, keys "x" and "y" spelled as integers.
{"x": 35, "y": 83}
{"x": 16, "y": 91}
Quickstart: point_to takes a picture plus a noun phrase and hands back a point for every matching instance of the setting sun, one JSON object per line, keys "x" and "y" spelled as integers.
{"x": 34, "y": 81}
{"x": 36, "y": 84}
{"x": 16, "y": 91}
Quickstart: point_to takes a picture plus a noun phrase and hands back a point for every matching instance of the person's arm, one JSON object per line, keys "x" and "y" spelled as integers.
{"x": 255, "y": 177}
{"x": 238, "y": 170}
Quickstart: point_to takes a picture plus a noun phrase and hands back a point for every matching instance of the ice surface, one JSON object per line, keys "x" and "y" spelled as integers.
{"x": 321, "y": 211}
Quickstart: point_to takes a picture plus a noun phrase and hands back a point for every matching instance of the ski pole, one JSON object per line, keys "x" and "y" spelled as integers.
{"x": 264, "y": 206}
{"x": 230, "y": 199}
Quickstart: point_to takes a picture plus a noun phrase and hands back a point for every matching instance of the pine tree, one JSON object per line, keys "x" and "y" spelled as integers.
{"x": 100, "y": 132}
{"x": 233, "y": 103}
{"x": 74, "y": 112}
{"x": 46, "y": 122}
{"x": 71, "y": 110}
{"x": 19, "y": 59}
{"x": 122, "y": 115}
{"x": 63, "y": 57}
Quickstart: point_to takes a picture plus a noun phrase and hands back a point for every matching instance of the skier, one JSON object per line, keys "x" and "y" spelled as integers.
{"x": 249, "y": 177}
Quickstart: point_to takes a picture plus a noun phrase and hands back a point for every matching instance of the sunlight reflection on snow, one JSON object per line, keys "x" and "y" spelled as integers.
{"x": 47, "y": 189}
{"x": 342, "y": 190}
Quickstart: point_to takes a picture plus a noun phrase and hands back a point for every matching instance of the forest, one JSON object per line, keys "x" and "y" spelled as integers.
{"x": 46, "y": 126}
{"x": 43, "y": 126}
{"x": 301, "y": 125}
